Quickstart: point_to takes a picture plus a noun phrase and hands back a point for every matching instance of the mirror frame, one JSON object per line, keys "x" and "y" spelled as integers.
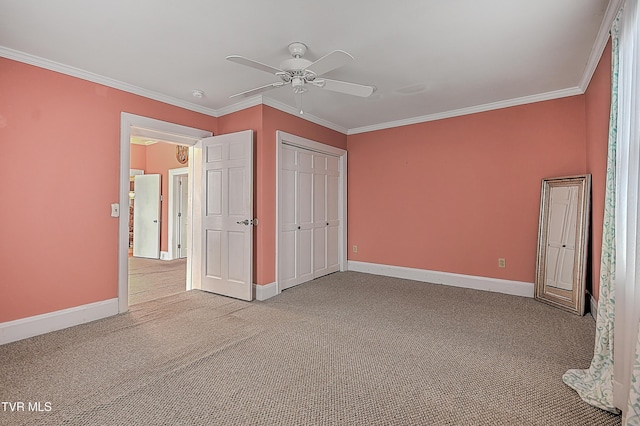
{"x": 574, "y": 300}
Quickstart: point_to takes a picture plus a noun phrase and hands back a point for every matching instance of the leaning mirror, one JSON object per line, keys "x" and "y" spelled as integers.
{"x": 562, "y": 242}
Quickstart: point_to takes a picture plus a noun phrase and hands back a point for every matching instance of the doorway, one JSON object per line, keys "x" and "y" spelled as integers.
{"x": 144, "y": 127}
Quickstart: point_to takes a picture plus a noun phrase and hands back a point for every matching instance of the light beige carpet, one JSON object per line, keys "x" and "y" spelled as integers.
{"x": 345, "y": 349}
{"x": 150, "y": 279}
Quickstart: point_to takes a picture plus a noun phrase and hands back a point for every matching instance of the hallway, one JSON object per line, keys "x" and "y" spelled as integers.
{"x": 151, "y": 279}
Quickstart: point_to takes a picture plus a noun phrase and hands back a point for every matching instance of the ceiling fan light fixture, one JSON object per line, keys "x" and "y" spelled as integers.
{"x": 199, "y": 94}
{"x": 298, "y": 85}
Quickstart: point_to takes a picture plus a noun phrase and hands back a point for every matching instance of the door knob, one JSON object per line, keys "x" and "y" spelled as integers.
{"x": 155, "y": 221}
{"x": 243, "y": 222}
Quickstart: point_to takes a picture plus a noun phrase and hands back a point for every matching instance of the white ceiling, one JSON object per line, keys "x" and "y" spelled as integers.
{"x": 427, "y": 58}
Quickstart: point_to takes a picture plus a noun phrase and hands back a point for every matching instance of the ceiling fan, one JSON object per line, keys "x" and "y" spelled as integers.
{"x": 300, "y": 72}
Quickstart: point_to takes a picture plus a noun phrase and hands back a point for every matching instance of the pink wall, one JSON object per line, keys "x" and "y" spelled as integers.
{"x": 61, "y": 140}
{"x": 451, "y": 195}
{"x": 265, "y": 121}
{"x": 138, "y": 157}
{"x": 597, "y": 106}
{"x": 455, "y": 195}
{"x": 161, "y": 157}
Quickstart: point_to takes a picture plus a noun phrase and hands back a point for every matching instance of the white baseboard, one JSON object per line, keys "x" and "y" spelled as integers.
{"x": 264, "y": 292}
{"x": 593, "y": 307}
{"x": 164, "y": 255}
{"x": 23, "y": 328}
{"x": 516, "y": 288}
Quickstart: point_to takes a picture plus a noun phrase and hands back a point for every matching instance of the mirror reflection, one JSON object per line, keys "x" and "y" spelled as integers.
{"x": 562, "y": 242}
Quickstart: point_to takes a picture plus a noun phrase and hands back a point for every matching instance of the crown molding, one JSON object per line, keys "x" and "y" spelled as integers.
{"x": 239, "y": 106}
{"x": 470, "y": 110}
{"x": 116, "y": 84}
{"x": 601, "y": 42}
{"x": 596, "y": 53}
{"x": 106, "y": 81}
{"x": 306, "y": 116}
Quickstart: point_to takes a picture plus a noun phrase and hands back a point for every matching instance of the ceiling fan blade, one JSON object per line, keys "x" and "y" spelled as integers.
{"x": 329, "y": 62}
{"x": 259, "y": 89}
{"x": 345, "y": 87}
{"x": 253, "y": 64}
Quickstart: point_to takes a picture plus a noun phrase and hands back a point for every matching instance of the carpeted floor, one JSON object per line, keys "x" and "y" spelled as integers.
{"x": 153, "y": 278}
{"x": 348, "y": 349}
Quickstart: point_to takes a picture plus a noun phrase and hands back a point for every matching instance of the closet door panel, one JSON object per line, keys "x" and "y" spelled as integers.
{"x": 288, "y": 257}
{"x": 333, "y": 263}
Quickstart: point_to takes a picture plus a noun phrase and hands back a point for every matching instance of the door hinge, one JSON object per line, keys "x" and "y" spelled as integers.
{"x": 179, "y": 246}
{"x": 179, "y": 214}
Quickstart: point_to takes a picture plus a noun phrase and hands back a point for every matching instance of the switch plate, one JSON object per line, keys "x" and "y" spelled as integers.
{"x": 502, "y": 263}
{"x": 355, "y": 249}
{"x": 115, "y": 210}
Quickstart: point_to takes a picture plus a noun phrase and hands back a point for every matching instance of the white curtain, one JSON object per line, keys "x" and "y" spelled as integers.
{"x": 595, "y": 384}
{"x": 613, "y": 379}
{"x": 627, "y": 274}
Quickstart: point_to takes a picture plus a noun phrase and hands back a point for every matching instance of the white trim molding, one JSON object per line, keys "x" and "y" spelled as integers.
{"x": 162, "y": 130}
{"x": 596, "y": 53}
{"x": 24, "y": 328}
{"x": 573, "y": 91}
{"x": 514, "y": 288}
{"x": 600, "y": 43}
{"x": 26, "y": 58}
{"x": 174, "y": 199}
{"x": 266, "y": 291}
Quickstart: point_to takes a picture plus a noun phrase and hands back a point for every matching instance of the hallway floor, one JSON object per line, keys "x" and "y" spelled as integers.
{"x": 151, "y": 279}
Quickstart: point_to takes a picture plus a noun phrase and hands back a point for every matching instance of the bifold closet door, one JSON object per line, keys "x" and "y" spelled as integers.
{"x": 333, "y": 215}
{"x": 304, "y": 214}
{"x": 309, "y": 221}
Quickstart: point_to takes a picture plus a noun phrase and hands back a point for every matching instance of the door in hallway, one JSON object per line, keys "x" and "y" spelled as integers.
{"x": 146, "y": 216}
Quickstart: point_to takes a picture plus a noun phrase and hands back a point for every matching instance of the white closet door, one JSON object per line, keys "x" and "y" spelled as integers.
{"x": 305, "y": 216}
{"x": 288, "y": 258}
{"x": 320, "y": 223}
{"x": 333, "y": 215}
{"x": 309, "y": 216}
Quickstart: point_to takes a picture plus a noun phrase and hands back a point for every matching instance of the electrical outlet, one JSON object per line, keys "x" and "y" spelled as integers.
{"x": 502, "y": 263}
{"x": 355, "y": 249}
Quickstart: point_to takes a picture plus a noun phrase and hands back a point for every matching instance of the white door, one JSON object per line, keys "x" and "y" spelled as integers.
{"x": 183, "y": 182}
{"x": 227, "y": 216}
{"x": 288, "y": 227}
{"x": 304, "y": 216}
{"x": 333, "y": 214}
{"x": 320, "y": 223}
{"x": 309, "y": 216}
{"x": 561, "y": 238}
{"x": 146, "y": 216}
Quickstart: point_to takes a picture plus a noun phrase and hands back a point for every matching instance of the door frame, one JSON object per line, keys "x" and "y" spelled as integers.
{"x": 151, "y": 128}
{"x": 174, "y": 201}
{"x": 283, "y": 138}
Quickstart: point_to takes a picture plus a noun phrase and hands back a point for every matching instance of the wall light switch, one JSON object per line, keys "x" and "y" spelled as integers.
{"x": 502, "y": 263}
{"x": 115, "y": 210}
{"x": 355, "y": 249}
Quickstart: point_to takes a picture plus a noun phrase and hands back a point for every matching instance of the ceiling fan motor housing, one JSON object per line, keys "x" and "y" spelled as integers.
{"x": 297, "y": 49}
